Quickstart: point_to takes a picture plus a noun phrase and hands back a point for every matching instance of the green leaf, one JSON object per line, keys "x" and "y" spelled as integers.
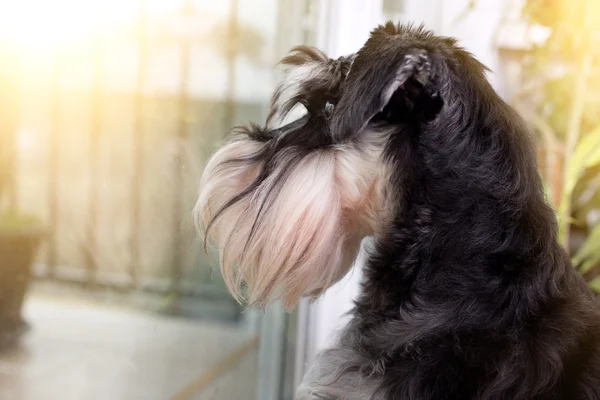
{"x": 588, "y": 264}
{"x": 594, "y": 159}
{"x": 594, "y": 284}
{"x": 586, "y": 155}
{"x": 588, "y": 254}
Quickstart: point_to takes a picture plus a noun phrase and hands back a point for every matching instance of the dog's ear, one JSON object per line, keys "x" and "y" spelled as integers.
{"x": 387, "y": 79}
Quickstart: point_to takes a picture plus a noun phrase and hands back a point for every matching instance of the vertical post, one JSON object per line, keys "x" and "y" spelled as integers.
{"x": 270, "y": 357}
{"x": 95, "y": 131}
{"x": 53, "y": 159}
{"x": 138, "y": 149}
{"x": 304, "y": 340}
{"x": 232, "y": 51}
{"x": 9, "y": 103}
{"x": 182, "y": 133}
{"x": 308, "y": 5}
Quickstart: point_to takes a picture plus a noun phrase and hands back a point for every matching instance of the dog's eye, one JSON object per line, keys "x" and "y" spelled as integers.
{"x": 329, "y": 109}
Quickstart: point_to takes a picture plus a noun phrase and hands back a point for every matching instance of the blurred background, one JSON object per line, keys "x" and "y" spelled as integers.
{"x": 108, "y": 112}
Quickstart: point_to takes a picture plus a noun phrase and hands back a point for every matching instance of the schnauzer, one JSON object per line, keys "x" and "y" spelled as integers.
{"x": 466, "y": 294}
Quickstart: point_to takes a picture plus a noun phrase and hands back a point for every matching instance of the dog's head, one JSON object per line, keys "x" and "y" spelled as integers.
{"x": 289, "y": 205}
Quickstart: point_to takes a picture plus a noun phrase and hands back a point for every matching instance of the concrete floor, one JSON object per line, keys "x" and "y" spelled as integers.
{"x": 80, "y": 350}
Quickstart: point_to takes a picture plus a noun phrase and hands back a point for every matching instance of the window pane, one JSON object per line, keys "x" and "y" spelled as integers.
{"x": 115, "y": 108}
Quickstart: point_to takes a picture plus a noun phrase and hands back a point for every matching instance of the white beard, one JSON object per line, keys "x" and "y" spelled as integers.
{"x": 311, "y": 222}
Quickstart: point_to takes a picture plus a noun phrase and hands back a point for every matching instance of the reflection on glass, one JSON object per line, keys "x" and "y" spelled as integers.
{"x": 109, "y": 110}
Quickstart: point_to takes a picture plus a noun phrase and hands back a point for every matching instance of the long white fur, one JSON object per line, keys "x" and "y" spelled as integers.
{"x": 309, "y": 235}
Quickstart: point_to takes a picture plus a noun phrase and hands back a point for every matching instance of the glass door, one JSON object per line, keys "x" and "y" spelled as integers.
{"x": 115, "y": 108}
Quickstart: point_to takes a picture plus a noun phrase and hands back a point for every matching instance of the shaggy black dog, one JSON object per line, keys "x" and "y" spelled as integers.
{"x": 467, "y": 294}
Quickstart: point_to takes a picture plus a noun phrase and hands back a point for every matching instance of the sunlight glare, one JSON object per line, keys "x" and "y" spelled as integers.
{"x": 54, "y": 25}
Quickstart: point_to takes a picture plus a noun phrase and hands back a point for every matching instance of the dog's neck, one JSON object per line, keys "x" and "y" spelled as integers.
{"x": 471, "y": 211}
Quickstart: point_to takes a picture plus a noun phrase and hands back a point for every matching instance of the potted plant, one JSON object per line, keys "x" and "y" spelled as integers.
{"x": 20, "y": 234}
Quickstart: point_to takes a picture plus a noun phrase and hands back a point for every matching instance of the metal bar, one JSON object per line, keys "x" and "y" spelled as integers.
{"x": 53, "y": 160}
{"x": 232, "y": 51}
{"x": 270, "y": 357}
{"x": 182, "y": 133}
{"x": 138, "y": 149}
{"x": 94, "y": 149}
{"x": 302, "y": 348}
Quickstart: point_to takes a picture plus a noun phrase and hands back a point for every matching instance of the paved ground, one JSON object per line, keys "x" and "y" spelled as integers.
{"x": 80, "y": 350}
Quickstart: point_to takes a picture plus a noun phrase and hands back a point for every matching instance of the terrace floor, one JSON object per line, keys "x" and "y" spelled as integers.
{"x": 82, "y": 350}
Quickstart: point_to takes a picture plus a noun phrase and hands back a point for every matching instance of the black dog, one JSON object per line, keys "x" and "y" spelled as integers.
{"x": 467, "y": 294}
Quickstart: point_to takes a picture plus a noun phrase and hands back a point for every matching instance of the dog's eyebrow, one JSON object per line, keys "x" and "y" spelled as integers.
{"x": 295, "y": 124}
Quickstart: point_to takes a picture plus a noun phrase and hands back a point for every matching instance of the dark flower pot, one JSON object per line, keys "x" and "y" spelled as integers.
{"x": 17, "y": 253}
